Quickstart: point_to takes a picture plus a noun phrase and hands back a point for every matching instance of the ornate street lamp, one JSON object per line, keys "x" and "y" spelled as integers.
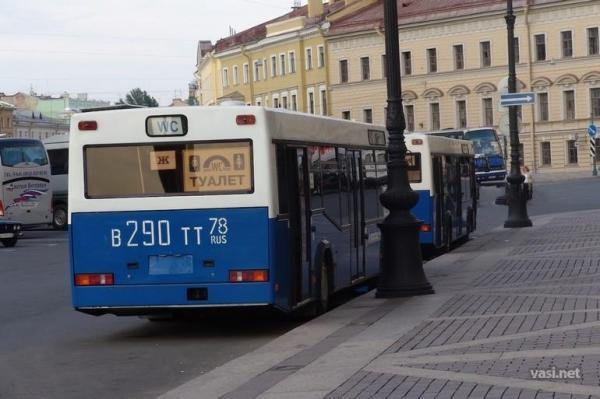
{"x": 517, "y": 201}
{"x": 401, "y": 265}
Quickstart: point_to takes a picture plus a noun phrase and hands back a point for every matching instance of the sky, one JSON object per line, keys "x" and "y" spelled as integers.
{"x": 107, "y": 47}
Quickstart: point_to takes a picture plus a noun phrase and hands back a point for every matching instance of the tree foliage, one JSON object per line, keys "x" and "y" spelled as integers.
{"x": 138, "y": 96}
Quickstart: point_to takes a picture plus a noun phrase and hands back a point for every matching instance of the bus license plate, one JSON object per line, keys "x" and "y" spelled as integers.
{"x": 170, "y": 265}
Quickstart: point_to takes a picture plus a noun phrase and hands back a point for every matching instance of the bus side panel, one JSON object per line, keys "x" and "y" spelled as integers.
{"x": 157, "y": 257}
{"x": 424, "y": 212}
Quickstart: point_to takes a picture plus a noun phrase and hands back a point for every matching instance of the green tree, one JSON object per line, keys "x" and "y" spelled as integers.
{"x": 138, "y": 96}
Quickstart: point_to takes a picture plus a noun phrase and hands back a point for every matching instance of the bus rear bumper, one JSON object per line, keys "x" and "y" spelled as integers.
{"x": 147, "y": 299}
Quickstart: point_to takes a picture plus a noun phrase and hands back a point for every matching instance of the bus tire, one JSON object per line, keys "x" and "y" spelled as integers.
{"x": 470, "y": 221}
{"x": 60, "y": 217}
{"x": 324, "y": 292}
{"x": 9, "y": 242}
{"x": 324, "y": 260}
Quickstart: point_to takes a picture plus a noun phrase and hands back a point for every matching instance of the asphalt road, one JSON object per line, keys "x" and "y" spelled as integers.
{"x": 48, "y": 351}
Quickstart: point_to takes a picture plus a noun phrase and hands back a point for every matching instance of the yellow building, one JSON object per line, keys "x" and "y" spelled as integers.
{"x": 454, "y": 59}
{"x": 281, "y": 63}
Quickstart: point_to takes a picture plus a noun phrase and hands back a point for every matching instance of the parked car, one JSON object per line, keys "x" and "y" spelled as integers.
{"x": 10, "y": 232}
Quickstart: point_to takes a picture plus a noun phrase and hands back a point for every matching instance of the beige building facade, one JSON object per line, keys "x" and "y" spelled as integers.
{"x": 454, "y": 65}
{"x": 281, "y": 63}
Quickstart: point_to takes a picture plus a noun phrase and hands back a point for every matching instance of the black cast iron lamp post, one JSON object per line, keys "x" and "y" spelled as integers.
{"x": 401, "y": 264}
{"x": 517, "y": 202}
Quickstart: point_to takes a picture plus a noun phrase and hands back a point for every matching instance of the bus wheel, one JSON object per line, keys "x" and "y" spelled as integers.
{"x": 9, "y": 242}
{"x": 59, "y": 217}
{"x": 470, "y": 223}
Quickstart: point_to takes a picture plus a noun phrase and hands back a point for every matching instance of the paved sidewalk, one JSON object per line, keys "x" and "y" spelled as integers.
{"x": 507, "y": 304}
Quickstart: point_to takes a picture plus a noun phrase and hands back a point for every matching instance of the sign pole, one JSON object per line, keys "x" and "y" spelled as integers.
{"x": 592, "y": 131}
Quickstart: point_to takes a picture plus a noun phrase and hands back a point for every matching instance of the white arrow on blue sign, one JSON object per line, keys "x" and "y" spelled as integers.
{"x": 513, "y": 99}
{"x": 592, "y": 130}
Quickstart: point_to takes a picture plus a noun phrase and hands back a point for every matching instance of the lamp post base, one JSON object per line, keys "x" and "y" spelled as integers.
{"x": 401, "y": 265}
{"x": 518, "y": 223}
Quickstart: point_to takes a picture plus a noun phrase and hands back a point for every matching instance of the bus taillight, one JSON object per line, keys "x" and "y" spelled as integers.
{"x": 1, "y": 209}
{"x": 245, "y": 119}
{"x": 248, "y": 276}
{"x": 87, "y": 279}
{"x": 425, "y": 228}
{"x": 88, "y": 125}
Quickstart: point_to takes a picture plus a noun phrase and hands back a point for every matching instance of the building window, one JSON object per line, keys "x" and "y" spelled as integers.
{"x": 431, "y": 60}
{"x": 309, "y": 63}
{"x": 488, "y": 112}
{"x": 284, "y": 102}
{"x": 434, "y": 110}
{"x": 546, "y": 154}
{"x": 275, "y": 102}
{"x": 321, "y": 56}
{"x": 592, "y": 41}
{"x": 273, "y": 66}
{"x": 292, "y": 61}
{"x": 294, "y": 102}
{"x": 281, "y": 64}
{"x": 543, "y": 106}
{"x": 516, "y": 46}
{"x": 344, "y": 71}
{"x": 311, "y": 102}
{"x": 225, "y": 78}
{"x": 486, "y": 54}
{"x": 407, "y": 63}
{"x": 595, "y": 101}
{"x": 459, "y": 60}
{"x": 383, "y": 67}
{"x": 346, "y": 115}
{"x": 409, "y": 110}
{"x": 323, "y": 102}
{"x": 569, "y": 96}
{"x": 256, "y": 71}
{"x": 264, "y": 62}
{"x": 235, "y": 75}
{"x": 245, "y": 73}
{"x": 461, "y": 113}
{"x": 368, "y": 115}
{"x": 365, "y": 70}
{"x": 566, "y": 40}
{"x": 571, "y": 152}
{"x": 540, "y": 47}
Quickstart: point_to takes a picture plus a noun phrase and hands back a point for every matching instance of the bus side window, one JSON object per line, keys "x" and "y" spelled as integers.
{"x": 59, "y": 161}
{"x": 330, "y": 183}
{"x": 369, "y": 172}
{"x": 315, "y": 177}
{"x": 345, "y": 189}
{"x": 282, "y": 180}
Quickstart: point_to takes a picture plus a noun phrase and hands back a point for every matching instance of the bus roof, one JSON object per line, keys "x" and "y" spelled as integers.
{"x": 440, "y": 144}
{"x": 282, "y": 125}
{"x": 60, "y": 138}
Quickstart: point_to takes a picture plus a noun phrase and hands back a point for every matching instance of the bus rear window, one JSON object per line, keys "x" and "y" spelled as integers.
{"x": 23, "y": 154}
{"x": 413, "y": 161}
{"x": 199, "y": 168}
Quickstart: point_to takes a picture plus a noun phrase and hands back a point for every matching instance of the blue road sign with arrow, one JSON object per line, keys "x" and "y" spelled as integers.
{"x": 513, "y": 99}
{"x": 592, "y": 130}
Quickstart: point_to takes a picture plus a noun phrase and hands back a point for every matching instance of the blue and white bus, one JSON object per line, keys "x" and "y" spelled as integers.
{"x": 490, "y": 158}
{"x": 442, "y": 171}
{"x": 181, "y": 208}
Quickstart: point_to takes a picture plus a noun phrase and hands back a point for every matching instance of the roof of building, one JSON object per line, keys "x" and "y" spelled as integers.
{"x": 259, "y": 32}
{"x": 416, "y": 11}
{"x": 6, "y": 105}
